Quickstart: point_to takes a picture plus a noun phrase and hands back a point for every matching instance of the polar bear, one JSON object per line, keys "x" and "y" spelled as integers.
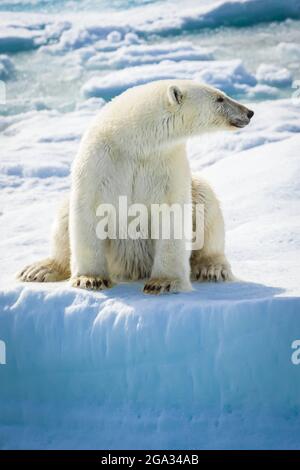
{"x": 136, "y": 147}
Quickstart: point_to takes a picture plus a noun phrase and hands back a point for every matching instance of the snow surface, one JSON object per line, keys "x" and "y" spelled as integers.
{"x": 208, "y": 369}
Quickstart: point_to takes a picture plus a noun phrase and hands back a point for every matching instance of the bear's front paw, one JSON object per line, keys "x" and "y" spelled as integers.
{"x": 91, "y": 282}
{"x": 162, "y": 286}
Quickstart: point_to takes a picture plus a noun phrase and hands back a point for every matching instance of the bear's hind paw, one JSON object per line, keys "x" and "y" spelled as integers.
{"x": 218, "y": 272}
{"x": 43, "y": 271}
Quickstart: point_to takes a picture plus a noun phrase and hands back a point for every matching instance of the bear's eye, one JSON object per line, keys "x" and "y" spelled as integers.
{"x": 220, "y": 99}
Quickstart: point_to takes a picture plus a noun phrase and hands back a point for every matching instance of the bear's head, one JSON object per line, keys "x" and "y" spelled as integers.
{"x": 201, "y": 108}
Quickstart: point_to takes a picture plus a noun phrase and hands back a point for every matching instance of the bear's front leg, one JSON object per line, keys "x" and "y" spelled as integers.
{"x": 88, "y": 260}
{"x": 171, "y": 268}
{"x": 88, "y": 251}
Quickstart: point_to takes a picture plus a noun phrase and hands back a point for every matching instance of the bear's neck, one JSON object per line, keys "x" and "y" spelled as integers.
{"x": 148, "y": 136}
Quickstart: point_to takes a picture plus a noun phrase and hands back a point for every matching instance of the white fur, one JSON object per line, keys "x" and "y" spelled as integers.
{"x": 136, "y": 148}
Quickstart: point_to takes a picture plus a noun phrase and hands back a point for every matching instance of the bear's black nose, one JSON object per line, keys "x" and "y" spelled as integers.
{"x": 250, "y": 114}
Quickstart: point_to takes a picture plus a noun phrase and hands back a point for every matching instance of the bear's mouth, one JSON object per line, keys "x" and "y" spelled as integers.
{"x": 239, "y": 124}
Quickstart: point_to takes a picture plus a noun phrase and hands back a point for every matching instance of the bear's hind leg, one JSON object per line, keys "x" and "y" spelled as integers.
{"x": 57, "y": 266}
{"x": 209, "y": 263}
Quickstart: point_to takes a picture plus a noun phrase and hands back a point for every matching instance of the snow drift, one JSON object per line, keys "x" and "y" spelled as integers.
{"x": 231, "y": 76}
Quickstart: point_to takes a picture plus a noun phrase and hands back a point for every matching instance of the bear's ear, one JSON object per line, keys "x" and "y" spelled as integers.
{"x": 175, "y": 95}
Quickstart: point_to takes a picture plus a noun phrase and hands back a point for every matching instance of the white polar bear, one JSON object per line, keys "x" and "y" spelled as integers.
{"x": 136, "y": 147}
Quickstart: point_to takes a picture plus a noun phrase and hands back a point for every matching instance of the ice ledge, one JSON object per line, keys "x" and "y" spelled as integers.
{"x": 161, "y": 369}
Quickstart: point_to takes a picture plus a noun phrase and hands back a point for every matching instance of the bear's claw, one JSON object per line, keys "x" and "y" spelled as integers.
{"x": 161, "y": 286}
{"x": 91, "y": 283}
{"x": 43, "y": 271}
{"x": 212, "y": 272}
